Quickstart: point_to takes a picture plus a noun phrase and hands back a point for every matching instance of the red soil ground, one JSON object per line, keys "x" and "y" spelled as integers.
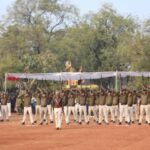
{"x": 14, "y": 136}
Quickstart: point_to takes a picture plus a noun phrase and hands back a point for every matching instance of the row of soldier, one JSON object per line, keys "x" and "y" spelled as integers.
{"x": 5, "y": 106}
{"x": 101, "y": 106}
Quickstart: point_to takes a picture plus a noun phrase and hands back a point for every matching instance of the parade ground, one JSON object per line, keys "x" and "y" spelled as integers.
{"x": 15, "y": 136}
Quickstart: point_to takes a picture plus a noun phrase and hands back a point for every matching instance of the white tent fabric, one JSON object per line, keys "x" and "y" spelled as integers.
{"x": 135, "y": 74}
{"x": 63, "y": 76}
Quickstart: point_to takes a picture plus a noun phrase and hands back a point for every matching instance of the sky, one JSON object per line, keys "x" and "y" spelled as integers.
{"x": 137, "y": 8}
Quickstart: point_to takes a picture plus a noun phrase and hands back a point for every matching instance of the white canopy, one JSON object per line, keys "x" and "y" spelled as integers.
{"x": 64, "y": 76}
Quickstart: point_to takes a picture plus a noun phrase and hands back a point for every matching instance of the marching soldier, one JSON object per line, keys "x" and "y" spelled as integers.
{"x": 123, "y": 109}
{"x": 149, "y": 105}
{"x": 97, "y": 101}
{"x": 135, "y": 106}
{"x": 4, "y": 100}
{"x": 44, "y": 100}
{"x": 58, "y": 110}
{"x": 102, "y": 108}
{"x": 130, "y": 108}
{"x": 91, "y": 108}
{"x": 109, "y": 107}
{"x": 38, "y": 106}
{"x": 0, "y": 105}
{"x": 50, "y": 108}
{"x": 82, "y": 108}
{"x": 27, "y": 107}
{"x": 19, "y": 104}
{"x": 9, "y": 105}
{"x": 144, "y": 107}
{"x": 77, "y": 106}
{"x": 115, "y": 103}
{"x": 65, "y": 106}
{"x": 71, "y": 107}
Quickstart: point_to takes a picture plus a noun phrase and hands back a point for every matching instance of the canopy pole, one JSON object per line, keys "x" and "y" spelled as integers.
{"x": 143, "y": 81}
{"x": 121, "y": 84}
{"x": 80, "y": 83}
{"x": 5, "y": 83}
{"x": 52, "y": 86}
{"x": 61, "y": 84}
{"x": 90, "y": 83}
{"x": 99, "y": 84}
{"x": 116, "y": 82}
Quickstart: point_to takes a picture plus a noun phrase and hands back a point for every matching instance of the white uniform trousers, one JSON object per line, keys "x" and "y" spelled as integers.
{"x": 144, "y": 109}
{"x": 109, "y": 109}
{"x": 58, "y": 117}
{"x": 102, "y": 114}
{"x": 97, "y": 112}
{"x": 43, "y": 114}
{"x": 82, "y": 110}
{"x": 92, "y": 109}
{"x": 65, "y": 109}
{"x": 9, "y": 109}
{"x": 77, "y": 107}
{"x": 115, "y": 110}
{"x": 50, "y": 112}
{"x": 136, "y": 111}
{"x": 71, "y": 109}
{"x": 130, "y": 114}
{"x": 4, "y": 112}
{"x": 37, "y": 112}
{"x": 26, "y": 111}
{"x": 123, "y": 112}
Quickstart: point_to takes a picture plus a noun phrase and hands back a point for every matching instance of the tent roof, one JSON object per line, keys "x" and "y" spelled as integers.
{"x": 64, "y": 76}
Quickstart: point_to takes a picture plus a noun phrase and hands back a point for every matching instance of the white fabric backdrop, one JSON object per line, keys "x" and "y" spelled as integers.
{"x": 63, "y": 76}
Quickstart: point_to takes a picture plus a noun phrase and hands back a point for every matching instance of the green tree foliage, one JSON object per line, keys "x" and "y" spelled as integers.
{"x": 41, "y": 35}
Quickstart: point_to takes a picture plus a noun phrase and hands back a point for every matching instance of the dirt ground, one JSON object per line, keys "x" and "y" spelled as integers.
{"x": 14, "y": 136}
